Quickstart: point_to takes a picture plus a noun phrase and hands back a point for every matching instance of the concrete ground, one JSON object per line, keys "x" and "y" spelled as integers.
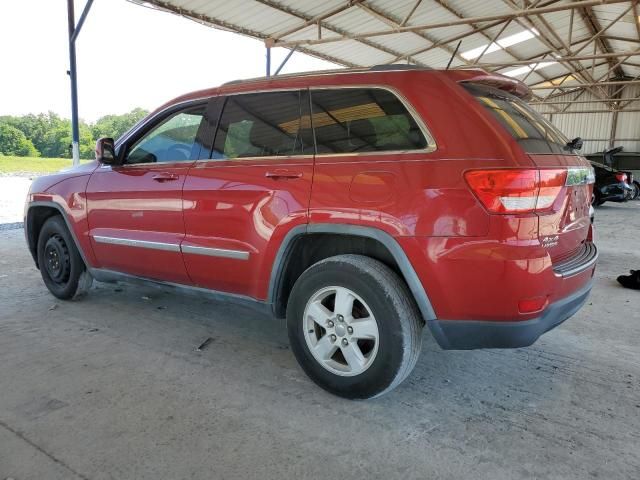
{"x": 112, "y": 387}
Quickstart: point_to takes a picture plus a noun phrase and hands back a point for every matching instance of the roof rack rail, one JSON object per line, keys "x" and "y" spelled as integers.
{"x": 395, "y": 67}
{"x": 374, "y": 68}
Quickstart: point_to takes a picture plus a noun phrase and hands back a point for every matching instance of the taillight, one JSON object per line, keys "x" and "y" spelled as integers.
{"x": 509, "y": 191}
{"x": 621, "y": 177}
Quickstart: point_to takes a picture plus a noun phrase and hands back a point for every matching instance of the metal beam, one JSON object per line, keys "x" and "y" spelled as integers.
{"x": 560, "y": 59}
{"x": 636, "y": 16}
{"x": 580, "y": 85}
{"x": 394, "y": 22}
{"x": 74, "y": 30}
{"x": 512, "y": 14}
{"x": 633, "y": 110}
{"x": 284, "y": 62}
{"x": 268, "y": 60}
{"x": 81, "y": 20}
{"x": 284, "y": 9}
{"x": 594, "y": 27}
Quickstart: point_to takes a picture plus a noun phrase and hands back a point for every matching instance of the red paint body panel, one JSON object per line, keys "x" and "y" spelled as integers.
{"x": 234, "y": 205}
{"x": 126, "y": 202}
{"x": 473, "y": 265}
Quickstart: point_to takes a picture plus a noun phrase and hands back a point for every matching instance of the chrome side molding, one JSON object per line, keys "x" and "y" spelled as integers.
{"x": 216, "y": 252}
{"x": 170, "y": 247}
{"x": 174, "y": 247}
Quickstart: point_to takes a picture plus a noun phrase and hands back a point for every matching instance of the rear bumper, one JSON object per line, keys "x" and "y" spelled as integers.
{"x": 471, "y": 334}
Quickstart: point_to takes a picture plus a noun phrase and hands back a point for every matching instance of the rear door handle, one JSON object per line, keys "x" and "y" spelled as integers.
{"x": 279, "y": 174}
{"x": 165, "y": 177}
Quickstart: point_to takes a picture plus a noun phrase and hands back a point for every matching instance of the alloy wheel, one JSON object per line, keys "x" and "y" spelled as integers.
{"x": 341, "y": 331}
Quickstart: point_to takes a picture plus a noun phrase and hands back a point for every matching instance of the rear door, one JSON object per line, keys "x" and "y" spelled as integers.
{"x": 565, "y": 228}
{"x": 135, "y": 209}
{"x": 255, "y": 187}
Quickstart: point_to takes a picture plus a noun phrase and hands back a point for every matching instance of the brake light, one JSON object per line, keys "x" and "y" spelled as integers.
{"x": 621, "y": 177}
{"x": 512, "y": 191}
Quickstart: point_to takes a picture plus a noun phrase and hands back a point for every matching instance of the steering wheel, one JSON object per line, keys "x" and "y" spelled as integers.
{"x": 179, "y": 151}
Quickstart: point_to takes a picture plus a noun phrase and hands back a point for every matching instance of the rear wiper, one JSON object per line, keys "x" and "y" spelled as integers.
{"x": 575, "y": 144}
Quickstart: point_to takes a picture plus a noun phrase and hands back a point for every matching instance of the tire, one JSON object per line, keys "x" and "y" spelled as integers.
{"x": 636, "y": 190}
{"x": 380, "y": 320}
{"x": 61, "y": 265}
{"x": 596, "y": 200}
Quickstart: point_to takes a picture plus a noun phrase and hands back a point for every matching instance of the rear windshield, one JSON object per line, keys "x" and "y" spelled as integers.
{"x": 534, "y": 133}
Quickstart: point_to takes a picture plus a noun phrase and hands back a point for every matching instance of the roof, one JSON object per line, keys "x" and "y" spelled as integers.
{"x": 354, "y": 78}
{"x": 551, "y": 45}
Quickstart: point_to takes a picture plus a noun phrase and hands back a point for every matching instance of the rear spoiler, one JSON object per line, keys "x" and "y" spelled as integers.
{"x": 495, "y": 80}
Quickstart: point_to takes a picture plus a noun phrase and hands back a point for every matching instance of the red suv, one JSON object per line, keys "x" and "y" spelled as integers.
{"x": 359, "y": 204}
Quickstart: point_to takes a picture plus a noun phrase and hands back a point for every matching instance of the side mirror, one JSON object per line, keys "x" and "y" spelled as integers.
{"x": 106, "y": 151}
{"x": 575, "y": 144}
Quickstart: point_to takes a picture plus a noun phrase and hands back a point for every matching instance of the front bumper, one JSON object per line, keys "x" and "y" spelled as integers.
{"x": 472, "y": 334}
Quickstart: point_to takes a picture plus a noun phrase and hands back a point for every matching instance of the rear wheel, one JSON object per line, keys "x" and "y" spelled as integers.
{"x": 61, "y": 266}
{"x": 354, "y": 326}
{"x": 636, "y": 190}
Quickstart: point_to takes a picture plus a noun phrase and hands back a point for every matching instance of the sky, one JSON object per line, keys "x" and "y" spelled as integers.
{"x": 128, "y": 56}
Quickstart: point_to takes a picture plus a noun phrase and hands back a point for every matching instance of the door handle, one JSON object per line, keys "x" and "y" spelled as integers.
{"x": 280, "y": 174}
{"x": 165, "y": 177}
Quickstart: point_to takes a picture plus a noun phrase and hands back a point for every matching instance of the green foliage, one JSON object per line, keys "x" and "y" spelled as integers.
{"x": 14, "y": 142}
{"x": 115, "y": 126}
{"x": 49, "y": 135}
{"x": 34, "y": 165}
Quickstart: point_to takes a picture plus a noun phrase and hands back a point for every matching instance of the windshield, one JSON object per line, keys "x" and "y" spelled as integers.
{"x": 534, "y": 133}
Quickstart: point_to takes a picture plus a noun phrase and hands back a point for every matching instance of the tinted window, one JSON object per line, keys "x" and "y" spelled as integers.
{"x": 532, "y": 131}
{"x": 173, "y": 140}
{"x": 354, "y": 120}
{"x": 261, "y": 125}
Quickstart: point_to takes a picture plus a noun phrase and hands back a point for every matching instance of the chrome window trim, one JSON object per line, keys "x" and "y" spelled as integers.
{"x": 216, "y": 252}
{"x": 129, "y": 242}
{"x": 148, "y": 120}
{"x": 431, "y": 142}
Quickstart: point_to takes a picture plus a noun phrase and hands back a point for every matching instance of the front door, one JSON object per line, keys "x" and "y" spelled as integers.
{"x": 135, "y": 209}
{"x": 255, "y": 187}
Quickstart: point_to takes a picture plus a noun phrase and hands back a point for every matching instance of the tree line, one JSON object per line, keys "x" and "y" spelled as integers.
{"x": 49, "y": 135}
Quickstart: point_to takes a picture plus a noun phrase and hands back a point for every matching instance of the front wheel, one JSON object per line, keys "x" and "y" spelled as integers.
{"x": 61, "y": 266}
{"x": 354, "y": 326}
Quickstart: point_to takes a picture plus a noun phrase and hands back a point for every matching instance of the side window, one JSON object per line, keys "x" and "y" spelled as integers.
{"x": 354, "y": 120}
{"x": 262, "y": 125}
{"x": 173, "y": 140}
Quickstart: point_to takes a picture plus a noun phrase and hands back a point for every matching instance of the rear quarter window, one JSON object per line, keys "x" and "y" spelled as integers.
{"x": 359, "y": 120}
{"x": 532, "y": 131}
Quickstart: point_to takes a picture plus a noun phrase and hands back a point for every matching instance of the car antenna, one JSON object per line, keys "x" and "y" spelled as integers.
{"x": 455, "y": 52}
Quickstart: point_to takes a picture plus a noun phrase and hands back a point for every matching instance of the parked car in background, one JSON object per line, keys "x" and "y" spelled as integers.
{"x": 623, "y": 162}
{"x": 360, "y": 205}
{"x": 611, "y": 185}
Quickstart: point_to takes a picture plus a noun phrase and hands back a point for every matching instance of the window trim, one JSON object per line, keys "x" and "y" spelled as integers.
{"x": 150, "y": 122}
{"x": 138, "y": 131}
{"x": 225, "y": 96}
{"x": 431, "y": 143}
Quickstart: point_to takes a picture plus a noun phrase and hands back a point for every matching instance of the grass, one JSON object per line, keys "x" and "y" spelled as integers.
{"x": 37, "y": 165}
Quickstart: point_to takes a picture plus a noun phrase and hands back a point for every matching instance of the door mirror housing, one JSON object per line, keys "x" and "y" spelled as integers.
{"x": 106, "y": 151}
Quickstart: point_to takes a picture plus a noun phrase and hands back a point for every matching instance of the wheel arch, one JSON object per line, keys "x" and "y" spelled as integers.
{"x": 301, "y": 249}
{"x": 38, "y": 213}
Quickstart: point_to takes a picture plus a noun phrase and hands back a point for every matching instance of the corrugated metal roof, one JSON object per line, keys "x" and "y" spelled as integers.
{"x": 561, "y": 29}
